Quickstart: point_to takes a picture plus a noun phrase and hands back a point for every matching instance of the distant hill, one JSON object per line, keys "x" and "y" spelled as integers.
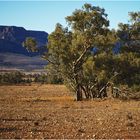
{"x": 13, "y": 54}
{"x": 11, "y": 38}
{"x": 19, "y": 61}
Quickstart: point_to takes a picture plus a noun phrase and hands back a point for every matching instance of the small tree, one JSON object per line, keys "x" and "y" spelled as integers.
{"x": 30, "y": 44}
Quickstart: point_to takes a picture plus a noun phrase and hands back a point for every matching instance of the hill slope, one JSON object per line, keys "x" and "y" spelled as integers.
{"x": 13, "y": 54}
{"x": 11, "y": 38}
{"x": 19, "y": 61}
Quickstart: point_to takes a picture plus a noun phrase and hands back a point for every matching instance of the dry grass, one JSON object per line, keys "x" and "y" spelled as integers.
{"x": 49, "y": 111}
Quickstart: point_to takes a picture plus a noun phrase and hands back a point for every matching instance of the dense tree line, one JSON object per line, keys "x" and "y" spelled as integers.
{"x": 12, "y": 77}
{"x": 89, "y": 57}
{"x": 18, "y": 77}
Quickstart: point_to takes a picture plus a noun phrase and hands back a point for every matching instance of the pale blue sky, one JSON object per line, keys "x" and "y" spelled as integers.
{"x": 43, "y": 15}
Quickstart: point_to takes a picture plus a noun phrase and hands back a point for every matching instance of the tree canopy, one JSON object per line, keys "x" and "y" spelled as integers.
{"x": 30, "y": 44}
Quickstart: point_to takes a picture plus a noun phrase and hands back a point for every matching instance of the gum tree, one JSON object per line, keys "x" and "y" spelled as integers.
{"x": 70, "y": 50}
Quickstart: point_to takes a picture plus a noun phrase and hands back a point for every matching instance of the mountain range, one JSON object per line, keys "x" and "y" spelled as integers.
{"x": 14, "y": 55}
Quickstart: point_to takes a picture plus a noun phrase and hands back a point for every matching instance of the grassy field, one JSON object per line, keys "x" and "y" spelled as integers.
{"x": 49, "y": 111}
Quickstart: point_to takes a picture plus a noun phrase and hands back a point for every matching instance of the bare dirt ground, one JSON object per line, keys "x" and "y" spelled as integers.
{"x": 50, "y": 112}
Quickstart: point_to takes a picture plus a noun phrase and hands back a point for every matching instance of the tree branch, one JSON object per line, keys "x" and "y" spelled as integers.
{"x": 81, "y": 56}
{"x": 48, "y": 60}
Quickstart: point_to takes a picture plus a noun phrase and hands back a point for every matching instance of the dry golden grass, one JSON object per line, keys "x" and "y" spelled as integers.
{"x": 49, "y": 111}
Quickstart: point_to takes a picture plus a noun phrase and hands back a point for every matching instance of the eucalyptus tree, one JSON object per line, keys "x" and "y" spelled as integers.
{"x": 70, "y": 50}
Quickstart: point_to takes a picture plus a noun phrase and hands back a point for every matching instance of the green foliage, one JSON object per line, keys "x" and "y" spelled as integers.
{"x": 129, "y": 59}
{"x": 40, "y": 78}
{"x": 54, "y": 79}
{"x": 30, "y": 44}
{"x": 13, "y": 77}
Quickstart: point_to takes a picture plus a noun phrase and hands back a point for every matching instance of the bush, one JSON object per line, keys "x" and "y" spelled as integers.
{"x": 54, "y": 79}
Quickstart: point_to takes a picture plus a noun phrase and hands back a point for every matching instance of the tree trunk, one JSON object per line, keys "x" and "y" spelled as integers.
{"x": 85, "y": 92}
{"x": 79, "y": 93}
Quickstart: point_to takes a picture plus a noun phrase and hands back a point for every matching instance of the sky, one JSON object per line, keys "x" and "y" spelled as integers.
{"x": 43, "y": 15}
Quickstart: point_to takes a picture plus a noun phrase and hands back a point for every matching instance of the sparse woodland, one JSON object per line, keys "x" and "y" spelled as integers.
{"x": 89, "y": 57}
{"x": 88, "y": 61}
